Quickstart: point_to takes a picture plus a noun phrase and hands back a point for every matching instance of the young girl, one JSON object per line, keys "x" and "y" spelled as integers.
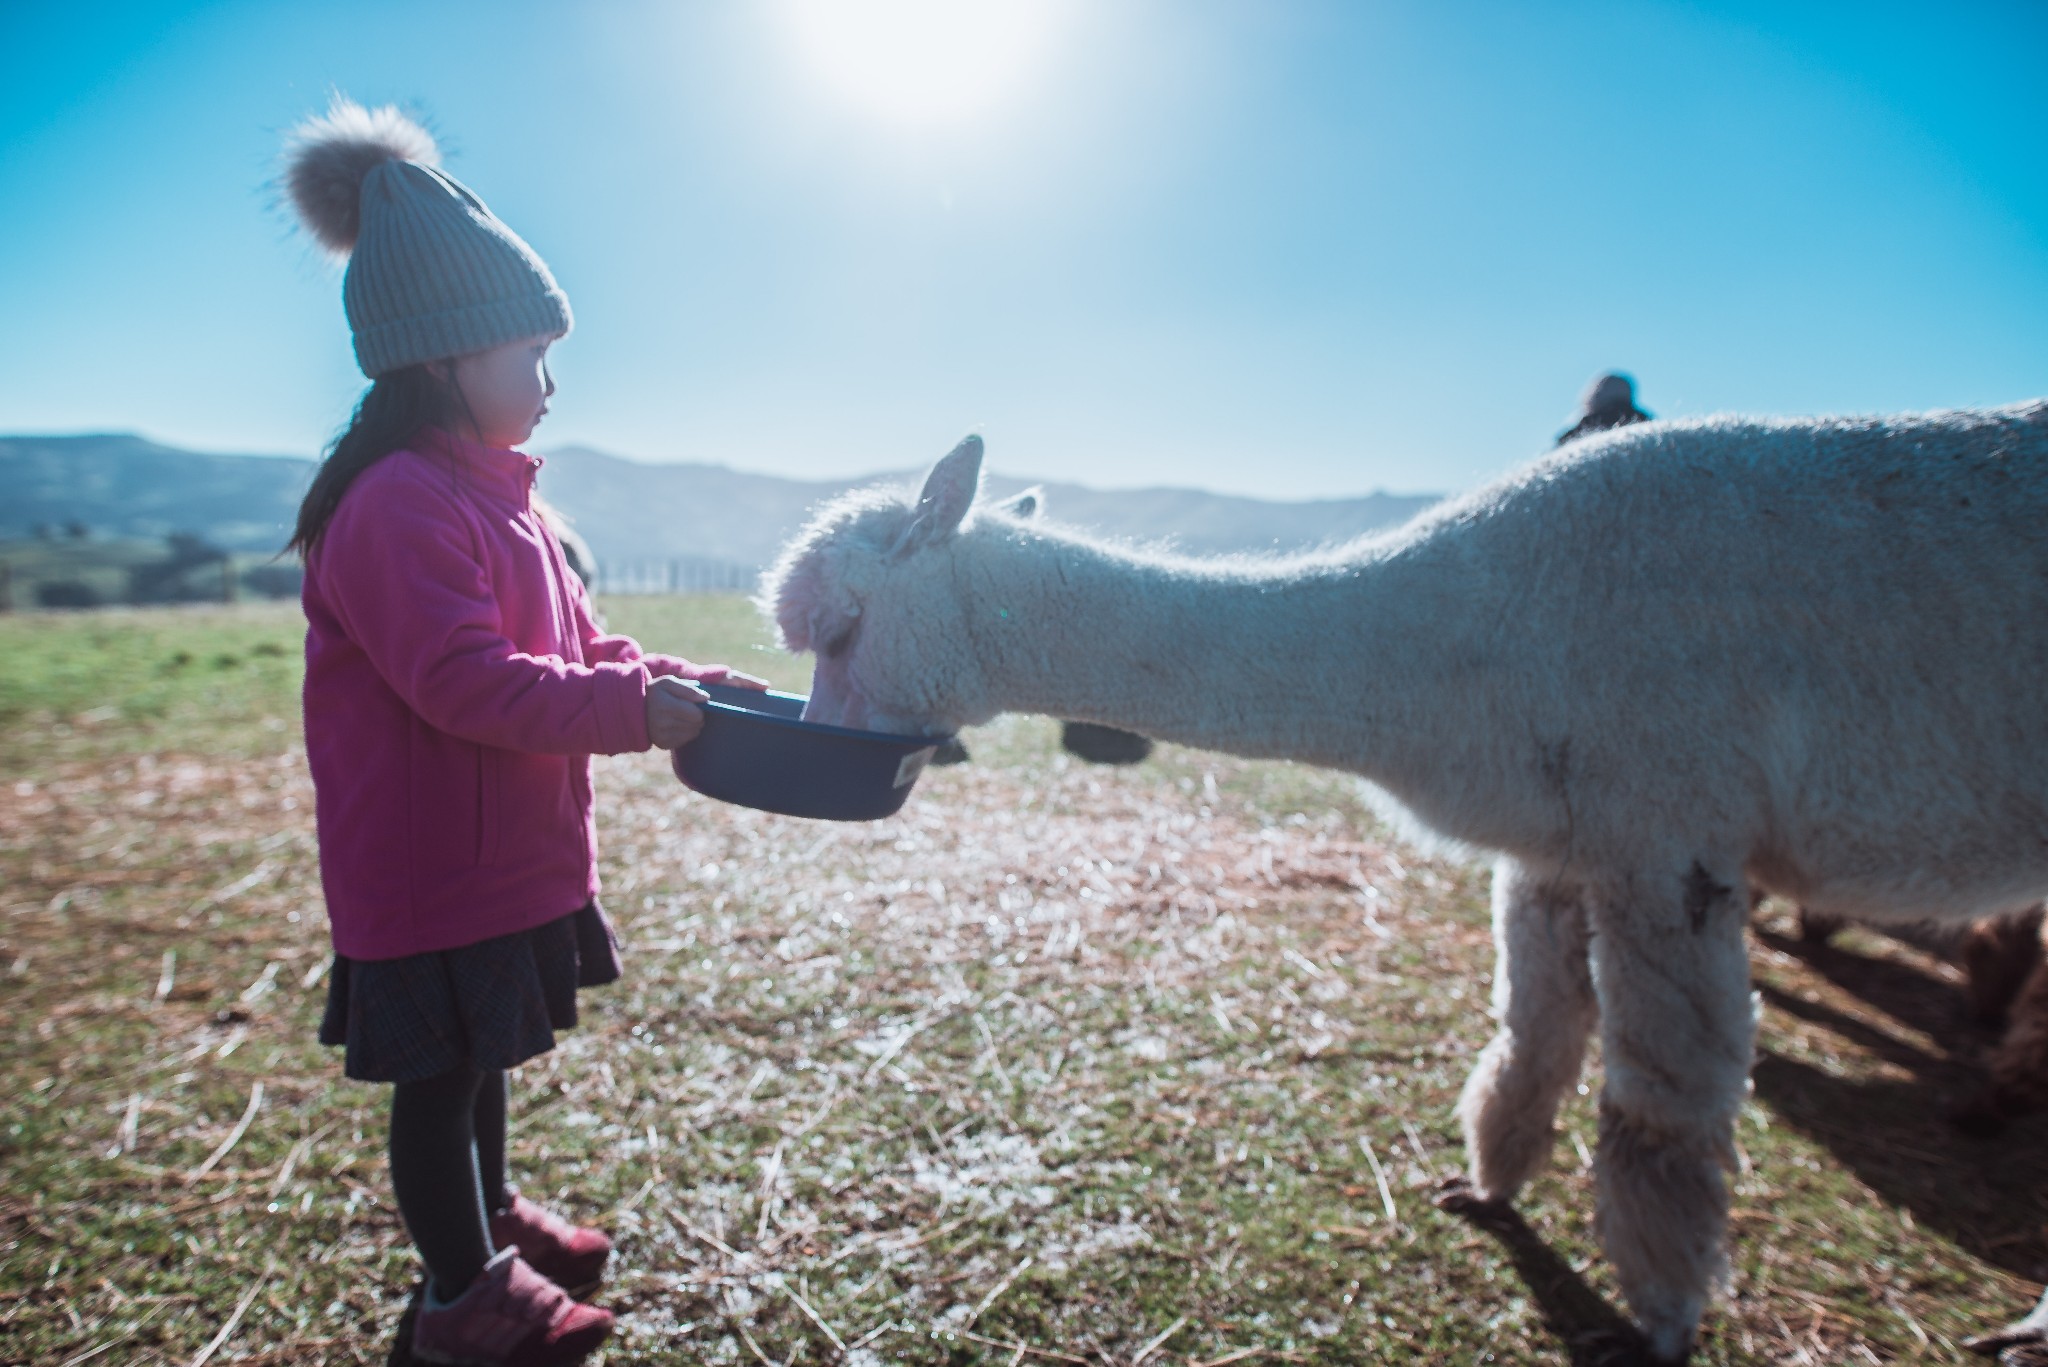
{"x": 456, "y": 687}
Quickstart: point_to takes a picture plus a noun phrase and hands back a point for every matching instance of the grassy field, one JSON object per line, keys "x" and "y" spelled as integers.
{"x": 1147, "y": 1066}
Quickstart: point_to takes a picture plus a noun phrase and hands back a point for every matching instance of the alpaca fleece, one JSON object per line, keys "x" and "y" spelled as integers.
{"x": 1662, "y": 666}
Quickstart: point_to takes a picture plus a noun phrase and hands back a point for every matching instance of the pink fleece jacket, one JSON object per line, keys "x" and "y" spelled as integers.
{"x": 456, "y": 687}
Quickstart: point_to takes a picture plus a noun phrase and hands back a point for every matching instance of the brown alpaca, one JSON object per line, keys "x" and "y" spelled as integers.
{"x": 2019, "y": 1065}
{"x": 2000, "y": 955}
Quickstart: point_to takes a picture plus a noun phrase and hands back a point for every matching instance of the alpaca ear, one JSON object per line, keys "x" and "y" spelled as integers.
{"x": 1023, "y": 506}
{"x": 949, "y": 492}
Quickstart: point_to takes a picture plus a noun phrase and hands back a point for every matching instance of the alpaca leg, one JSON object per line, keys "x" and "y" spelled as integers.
{"x": 2019, "y": 1067}
{"x": 1677, "y": 1026}
{"x": 1543, "y": 998}
{"x": 1998, "y": 954}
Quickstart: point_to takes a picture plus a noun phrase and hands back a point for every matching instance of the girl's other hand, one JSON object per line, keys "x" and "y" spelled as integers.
{"x": 673, "y": 715}
{"x": 725, "y": 674}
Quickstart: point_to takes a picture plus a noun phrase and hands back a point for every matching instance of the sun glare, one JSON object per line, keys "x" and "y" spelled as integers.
{"x": 918, "y": 61}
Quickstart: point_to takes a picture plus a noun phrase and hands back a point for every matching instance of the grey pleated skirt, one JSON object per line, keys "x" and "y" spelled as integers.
{"x": 492, "y": 1004}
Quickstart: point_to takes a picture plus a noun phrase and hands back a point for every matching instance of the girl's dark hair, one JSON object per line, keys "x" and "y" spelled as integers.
{"x": 393, "y": 410}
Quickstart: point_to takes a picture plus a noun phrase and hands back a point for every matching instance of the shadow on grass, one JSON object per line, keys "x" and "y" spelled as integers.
{"x": 1894, "y": 1132}
{"x": 1900, "y": 990}
{"x": 1592, "y": 1332}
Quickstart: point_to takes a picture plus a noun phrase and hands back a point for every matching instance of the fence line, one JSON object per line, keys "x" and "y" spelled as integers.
{"x": 675, "y": 574}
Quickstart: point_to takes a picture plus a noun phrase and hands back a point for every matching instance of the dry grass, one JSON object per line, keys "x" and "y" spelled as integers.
{"x": 1148, "y": 1066}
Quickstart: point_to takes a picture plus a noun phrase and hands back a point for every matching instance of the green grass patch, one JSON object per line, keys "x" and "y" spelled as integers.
{"x": 722, "y": 628}
{"x": 92, "y": 685}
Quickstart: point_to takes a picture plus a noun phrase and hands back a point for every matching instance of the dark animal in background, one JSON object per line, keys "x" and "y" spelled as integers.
{"x": 2007, "y": 961}
{"x": 2019, "y": 1066}
{"x": 1610, "y": 401}
{"x": 2001, "y": 955}
{"x": 1103, "y": 744}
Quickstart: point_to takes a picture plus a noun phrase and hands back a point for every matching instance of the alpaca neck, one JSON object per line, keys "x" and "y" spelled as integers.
{"x": 1266, "y": 662}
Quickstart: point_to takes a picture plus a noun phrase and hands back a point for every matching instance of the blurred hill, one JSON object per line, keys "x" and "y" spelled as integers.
{"x": 626, "y": 509}
{"x": 123, "y": 486}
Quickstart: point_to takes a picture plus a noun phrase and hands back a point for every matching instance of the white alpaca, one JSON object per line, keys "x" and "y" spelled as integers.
{"x": 1648, "y": 672}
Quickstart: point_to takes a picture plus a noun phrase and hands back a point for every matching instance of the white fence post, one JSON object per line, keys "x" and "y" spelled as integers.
{"x": 673, "y": 574}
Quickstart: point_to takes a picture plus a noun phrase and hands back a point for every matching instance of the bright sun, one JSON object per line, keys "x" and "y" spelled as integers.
{"x": 919, "y": 61}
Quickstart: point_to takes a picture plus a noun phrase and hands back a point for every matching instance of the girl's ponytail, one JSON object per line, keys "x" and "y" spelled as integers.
{"x": 392, "y": 412}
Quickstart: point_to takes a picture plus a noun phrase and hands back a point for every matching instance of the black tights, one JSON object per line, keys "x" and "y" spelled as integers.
{"x": 448, "y": 1170}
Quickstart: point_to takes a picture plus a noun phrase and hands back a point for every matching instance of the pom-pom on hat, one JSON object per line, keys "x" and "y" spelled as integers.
{"x": 432, "y": 272}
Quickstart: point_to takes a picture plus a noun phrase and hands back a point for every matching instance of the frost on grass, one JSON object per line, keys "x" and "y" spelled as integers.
{"x": 989, "y": 1173}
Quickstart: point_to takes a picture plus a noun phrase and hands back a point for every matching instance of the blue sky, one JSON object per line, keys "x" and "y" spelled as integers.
{"x": 1278, "y": 247}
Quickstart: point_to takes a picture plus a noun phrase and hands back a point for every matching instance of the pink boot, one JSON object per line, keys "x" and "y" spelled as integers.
{"x": 568, "y": 1255}
{"x": 510, "y": 1316}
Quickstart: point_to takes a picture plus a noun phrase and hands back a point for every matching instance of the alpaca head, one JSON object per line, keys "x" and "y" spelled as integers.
{"x": 870, "y": 587}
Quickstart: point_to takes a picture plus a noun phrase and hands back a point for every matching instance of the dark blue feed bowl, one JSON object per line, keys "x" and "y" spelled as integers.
{"x": 756, "y": 750}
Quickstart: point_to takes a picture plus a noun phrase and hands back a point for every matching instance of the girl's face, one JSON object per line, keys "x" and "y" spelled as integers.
{"x": 506, "y": 389}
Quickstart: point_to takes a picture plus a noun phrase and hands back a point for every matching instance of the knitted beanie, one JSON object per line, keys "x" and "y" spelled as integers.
{"x": 432, "y": 273}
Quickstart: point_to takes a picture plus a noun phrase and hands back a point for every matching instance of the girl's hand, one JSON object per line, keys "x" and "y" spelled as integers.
{"x": 673, "y": 715}
{"x": 725, "y": 674}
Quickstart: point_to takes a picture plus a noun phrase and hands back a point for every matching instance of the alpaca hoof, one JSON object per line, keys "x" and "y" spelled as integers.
{"x": 1458, "y": 1196}
{"x": 949, "y": 751}
{"x": 1617, "y": 1348}
{"x": 1669, "y": 1344}
{"x": 2021, "y": 1343}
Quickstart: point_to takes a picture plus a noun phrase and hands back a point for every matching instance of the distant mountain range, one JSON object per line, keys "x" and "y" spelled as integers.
{"x": 125, "y": 486}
